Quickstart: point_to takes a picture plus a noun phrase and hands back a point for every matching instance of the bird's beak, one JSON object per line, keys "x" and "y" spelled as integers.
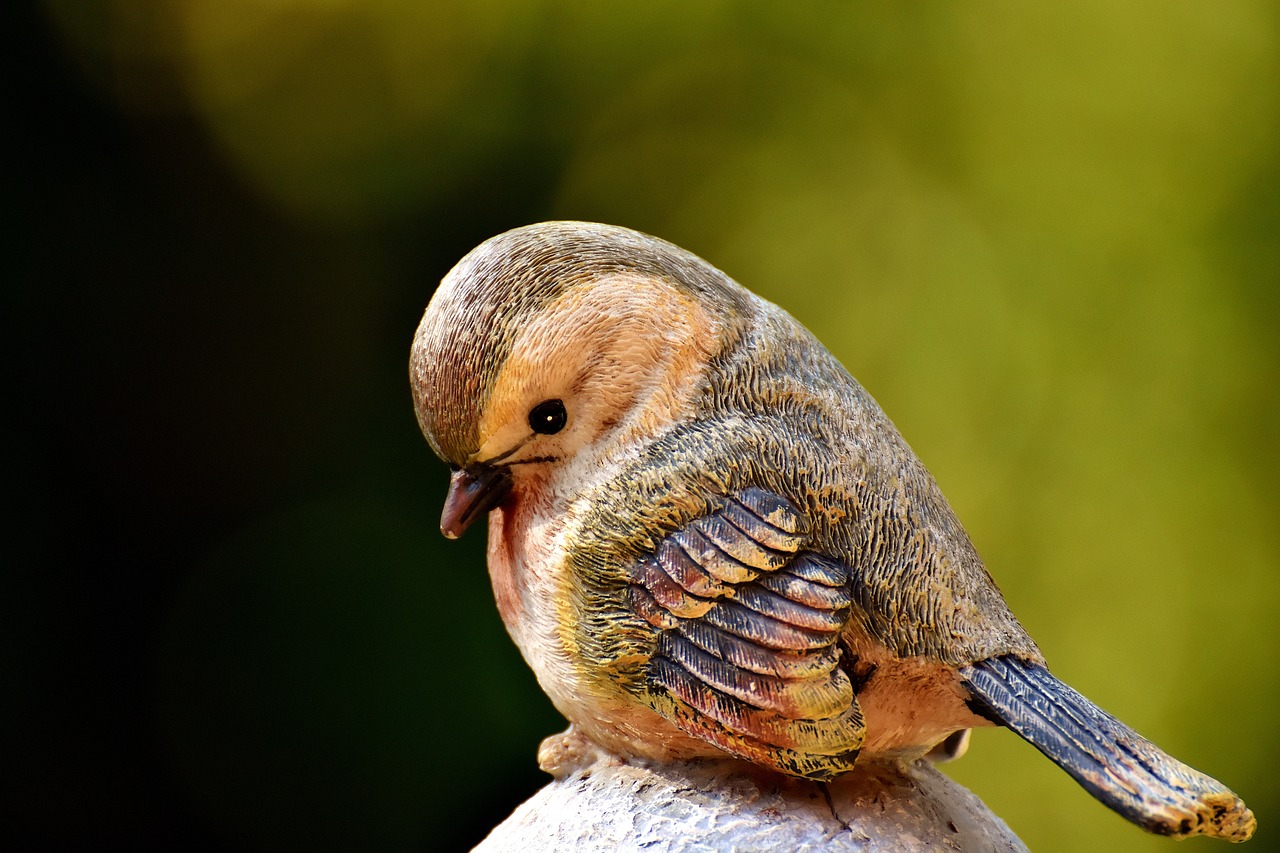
{"x": 472, "y": 493}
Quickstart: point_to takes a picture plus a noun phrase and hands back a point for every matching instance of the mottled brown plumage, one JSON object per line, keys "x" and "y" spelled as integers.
{"x": 716, "y": 541}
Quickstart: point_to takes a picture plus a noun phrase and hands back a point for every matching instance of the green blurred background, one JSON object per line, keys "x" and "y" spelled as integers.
{"x": 1044, "y": 237}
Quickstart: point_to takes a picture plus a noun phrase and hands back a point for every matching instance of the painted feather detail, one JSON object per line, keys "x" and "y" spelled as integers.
{"x": 747, "y": 652}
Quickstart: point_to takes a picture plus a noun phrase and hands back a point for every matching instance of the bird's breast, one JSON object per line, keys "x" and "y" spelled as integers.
{"x": 531, "y": 583}
{"x": 522, "y": 570}
{"x": 534, "y": 591}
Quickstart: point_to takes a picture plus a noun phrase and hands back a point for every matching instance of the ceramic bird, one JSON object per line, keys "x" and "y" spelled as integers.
{"x": 707, "y": 538}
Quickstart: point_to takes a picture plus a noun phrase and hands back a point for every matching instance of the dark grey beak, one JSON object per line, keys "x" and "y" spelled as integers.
{"x": 472, "y": 493}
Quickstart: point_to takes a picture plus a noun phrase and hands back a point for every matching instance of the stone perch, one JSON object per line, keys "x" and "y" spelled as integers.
{"x": 599, "y": 803}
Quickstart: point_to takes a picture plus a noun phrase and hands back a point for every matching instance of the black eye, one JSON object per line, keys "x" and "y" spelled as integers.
{"x": 548, "y": 417}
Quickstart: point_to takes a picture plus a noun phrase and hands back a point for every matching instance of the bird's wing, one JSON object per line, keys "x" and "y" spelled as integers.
{"x": 747, "y": 653}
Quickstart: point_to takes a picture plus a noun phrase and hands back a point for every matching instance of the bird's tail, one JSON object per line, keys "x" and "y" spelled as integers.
{"x": 1122, "y": 769}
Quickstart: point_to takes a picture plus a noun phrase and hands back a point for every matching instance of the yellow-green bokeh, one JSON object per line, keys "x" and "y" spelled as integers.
{"x": 1043, "y": 236}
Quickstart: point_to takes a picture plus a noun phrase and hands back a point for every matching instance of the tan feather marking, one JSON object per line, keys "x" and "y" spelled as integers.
{"x": 792, "y": 612}
{"x": 797, "y": 589}
{"x": 738, "y": 545}
{"x": 772, "y": 509}
{"x": 682, "y": 569}
{"x": 667, "y": 592}
{"x": 712, "y": 558}
{"x": 820, "y": 571}
{"x": 780, "y": 662}
{"x": 649, "y": 609}
{"x": 764, "y": 630}
{"x": 765, "y": 533}
{"x": 807, "y": 698}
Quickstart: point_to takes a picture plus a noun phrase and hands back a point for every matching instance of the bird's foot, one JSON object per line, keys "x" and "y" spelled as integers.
{"x": 569, "y": 752}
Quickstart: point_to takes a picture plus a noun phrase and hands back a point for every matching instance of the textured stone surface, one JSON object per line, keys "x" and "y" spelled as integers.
{"x": 708, "y": 806}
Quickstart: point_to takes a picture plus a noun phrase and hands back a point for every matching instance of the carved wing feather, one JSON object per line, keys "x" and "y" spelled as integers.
{"x": 748, "y": 623}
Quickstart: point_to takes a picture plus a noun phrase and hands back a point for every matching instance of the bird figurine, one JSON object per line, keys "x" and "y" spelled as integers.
{"x": 706, "y": 538}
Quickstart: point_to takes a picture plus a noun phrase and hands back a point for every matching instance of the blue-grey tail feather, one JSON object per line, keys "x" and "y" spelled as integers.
{"x": 1110, "y": 760}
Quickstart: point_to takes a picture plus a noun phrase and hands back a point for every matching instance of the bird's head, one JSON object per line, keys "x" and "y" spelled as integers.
{"x": 560, "y": 345}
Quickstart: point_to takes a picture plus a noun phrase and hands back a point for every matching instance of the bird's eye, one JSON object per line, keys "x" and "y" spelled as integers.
{"x": 548, "y": 417}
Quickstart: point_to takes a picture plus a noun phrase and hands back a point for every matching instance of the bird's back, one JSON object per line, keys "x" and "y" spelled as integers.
{"x": 822, "y": 441}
